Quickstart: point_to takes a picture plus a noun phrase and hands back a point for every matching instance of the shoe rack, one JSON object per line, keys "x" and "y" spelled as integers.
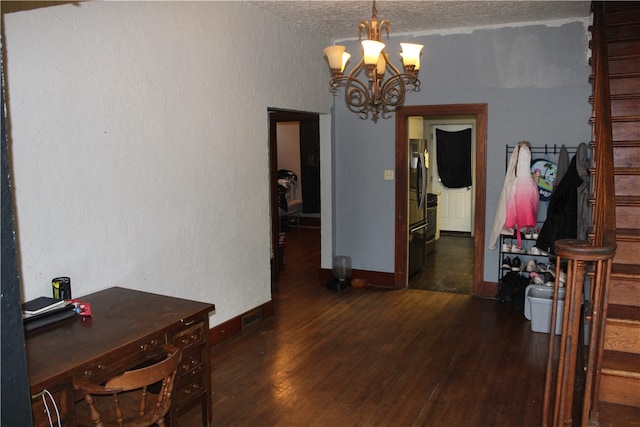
{"x": 509, "y": 250}
{"x": 515, "y": 258}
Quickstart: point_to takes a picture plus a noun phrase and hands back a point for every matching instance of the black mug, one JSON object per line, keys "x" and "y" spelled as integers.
{"x": 61, "y": 287}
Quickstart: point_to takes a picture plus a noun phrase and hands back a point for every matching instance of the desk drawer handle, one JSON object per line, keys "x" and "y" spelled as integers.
{"x": 189, "y": 365}
{"x": 89, "y": 372}
{"x": 194, "y": 387}
{"x": 190, "y": 322}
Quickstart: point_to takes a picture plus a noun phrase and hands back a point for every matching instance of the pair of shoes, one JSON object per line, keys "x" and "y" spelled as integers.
{"x": 542, "y": 267}
{"x": 528, "y": 233}
{"x": 545, "y": 279}
{"x": 550, "y": 269}
{"x": 534, "y": 250}
{"x": 506, "y": 263}
{"x": 516, "y": 264}
{"x": 531, "y": 266}
{"x": 506, "y": 247}
{"x": 536, "y": 278}
{"x": 518, "y": 250}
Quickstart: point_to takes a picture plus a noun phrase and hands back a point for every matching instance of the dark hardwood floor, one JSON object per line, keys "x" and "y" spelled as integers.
{"x": 373, "y": 357}
{"x": 449, "y": 268}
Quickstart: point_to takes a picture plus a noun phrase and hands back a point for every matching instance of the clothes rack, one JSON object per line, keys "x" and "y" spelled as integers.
{"x": 547, "y": 150}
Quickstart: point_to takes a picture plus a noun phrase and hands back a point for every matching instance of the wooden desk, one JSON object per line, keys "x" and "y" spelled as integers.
{"x": 127, "y": 328}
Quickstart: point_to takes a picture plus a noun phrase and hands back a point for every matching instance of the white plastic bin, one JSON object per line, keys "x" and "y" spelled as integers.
{"x": 537, "y": 308}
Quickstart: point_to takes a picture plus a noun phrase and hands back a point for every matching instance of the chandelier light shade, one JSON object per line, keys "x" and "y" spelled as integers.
{"x": 366, "y": 90}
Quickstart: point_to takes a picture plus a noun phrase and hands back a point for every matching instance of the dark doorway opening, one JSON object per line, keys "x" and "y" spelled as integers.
{"x": 309, "y": 148}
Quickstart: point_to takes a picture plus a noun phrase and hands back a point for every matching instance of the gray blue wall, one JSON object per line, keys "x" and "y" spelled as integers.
{"x": 533, "y": 78}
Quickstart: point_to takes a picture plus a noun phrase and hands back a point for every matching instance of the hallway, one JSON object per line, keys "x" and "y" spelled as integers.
{"x": 449, "y": 268}
{"x": 375, "y": 357}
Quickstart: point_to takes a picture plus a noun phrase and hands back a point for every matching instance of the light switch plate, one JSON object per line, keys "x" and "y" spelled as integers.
{"x": 388, "y": 175}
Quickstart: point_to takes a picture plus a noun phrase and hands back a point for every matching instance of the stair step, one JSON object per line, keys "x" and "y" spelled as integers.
{"x": 615, "y": 6}
{"x": 622, "y": 331}
{"x": 634, "y": 119}
{"x": 633, "y": 201}
{"x": 627, "y": 211}
{"x": 627, "y": 181}
{"x": 628, "y": 242}
{"x": 621, "y": 16}
{"x": 626, "y": 154}
{"x": 625, "y": 131}
{"x": 627, "y": 171}
{"x": 623, "y": 48}
{"x": 626, "y": 64}
{"x": 624, "y": 285}
{"x": 626, "y": 83}
{"x": 620, "y": 390}
{"x": 625, "y": 119}
{"x": 625, "y": 105}
{"x": 620, "y": 378}
{"x": 625, "y": 32}
{"x": 621, "y": 364}
{"x": 624, "y": 315}
{"x": 611, "y": 414}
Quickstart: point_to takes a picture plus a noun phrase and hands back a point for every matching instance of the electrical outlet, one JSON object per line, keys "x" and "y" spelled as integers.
{"x": 388, "y": 175}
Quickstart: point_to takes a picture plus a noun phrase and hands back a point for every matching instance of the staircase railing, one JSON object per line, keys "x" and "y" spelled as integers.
{"x": 572, "y": 378}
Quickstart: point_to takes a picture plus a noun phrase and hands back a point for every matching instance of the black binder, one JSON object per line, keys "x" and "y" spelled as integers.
{"x": 48, "y": 317}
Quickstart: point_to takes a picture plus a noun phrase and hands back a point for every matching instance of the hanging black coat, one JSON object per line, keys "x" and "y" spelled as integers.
{"x": 562, "y": 214}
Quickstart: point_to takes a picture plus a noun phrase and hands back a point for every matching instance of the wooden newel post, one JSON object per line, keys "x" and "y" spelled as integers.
{"x": 587, "y": 273}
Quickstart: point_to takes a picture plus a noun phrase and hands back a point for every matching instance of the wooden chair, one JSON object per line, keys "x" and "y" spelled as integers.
{"x": 137, "y": 398}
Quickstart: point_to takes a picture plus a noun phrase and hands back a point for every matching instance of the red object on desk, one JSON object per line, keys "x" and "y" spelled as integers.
{"x": 82, "y": 308}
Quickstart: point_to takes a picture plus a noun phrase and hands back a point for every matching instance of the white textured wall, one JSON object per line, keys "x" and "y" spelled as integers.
{"x": 139, "y": 140}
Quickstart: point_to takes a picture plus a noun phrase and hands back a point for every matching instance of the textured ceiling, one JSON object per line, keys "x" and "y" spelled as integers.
{"x": 339, "y": 19}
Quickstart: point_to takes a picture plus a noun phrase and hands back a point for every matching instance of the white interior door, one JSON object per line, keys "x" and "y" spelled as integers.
{"x": 455, "y": 204}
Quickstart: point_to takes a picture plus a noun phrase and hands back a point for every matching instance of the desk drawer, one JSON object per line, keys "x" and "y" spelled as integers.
{"x": 190, "y": 336}
{"x": 44, "y": 406}
{"x": 109, "y": 367}
{"x": 189, "y": 362}
{"x": 189, "y": 385}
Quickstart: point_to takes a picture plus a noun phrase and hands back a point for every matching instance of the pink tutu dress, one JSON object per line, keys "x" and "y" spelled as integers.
{"x": 522, "y": 205}
{"x": 518, "y": 204}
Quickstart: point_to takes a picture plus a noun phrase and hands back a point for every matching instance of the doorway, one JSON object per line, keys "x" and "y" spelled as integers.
{"x": 306, "y": 192}
{"x": 448, "y": 265}
{"x": 479, "y": 113}
{"x": 455, "y": 205}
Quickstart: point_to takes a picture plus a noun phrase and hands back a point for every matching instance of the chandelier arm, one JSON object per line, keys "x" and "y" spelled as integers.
{"x": 385, "y": 24}
{"x": 393, "y": 91}
{"x": 360, "y": 66}
{"x": 356, "y": 93}
{"x": 364, "y": 27}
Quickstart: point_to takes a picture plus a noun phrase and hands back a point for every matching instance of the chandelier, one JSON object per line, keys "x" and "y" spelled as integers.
{"x": 377, "y": 96}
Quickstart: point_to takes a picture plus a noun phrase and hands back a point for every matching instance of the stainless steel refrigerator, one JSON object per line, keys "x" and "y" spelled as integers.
{"x": 418, "y": 167}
